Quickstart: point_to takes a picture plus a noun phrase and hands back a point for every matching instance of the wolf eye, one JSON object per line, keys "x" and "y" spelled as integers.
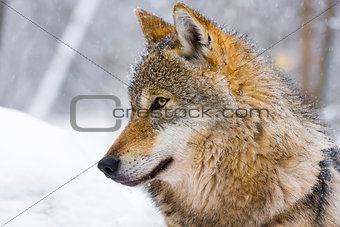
{"x": 159, "y": 103}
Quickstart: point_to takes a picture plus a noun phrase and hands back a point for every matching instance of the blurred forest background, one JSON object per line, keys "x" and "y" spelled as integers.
{"x": 40, "y": 75}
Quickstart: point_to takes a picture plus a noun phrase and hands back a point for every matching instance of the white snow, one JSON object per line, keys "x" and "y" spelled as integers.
{"x": 36, "y": 158}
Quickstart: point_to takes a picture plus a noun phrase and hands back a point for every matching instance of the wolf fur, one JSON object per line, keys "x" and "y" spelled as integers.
{"x": 275, "y": 170}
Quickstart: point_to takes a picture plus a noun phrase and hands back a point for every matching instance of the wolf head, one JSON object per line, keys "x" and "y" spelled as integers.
{"x": 189, "y": 68}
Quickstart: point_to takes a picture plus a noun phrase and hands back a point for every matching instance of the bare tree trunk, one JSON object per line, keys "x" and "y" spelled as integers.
{"x": 324, "y": 57}
{"x": 56, "y": 73}
{"x": 2, "y": 16}
{"x": 306, "y": 46}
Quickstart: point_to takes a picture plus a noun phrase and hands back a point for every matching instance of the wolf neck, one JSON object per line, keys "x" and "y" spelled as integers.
{"x": 250, "y": 177}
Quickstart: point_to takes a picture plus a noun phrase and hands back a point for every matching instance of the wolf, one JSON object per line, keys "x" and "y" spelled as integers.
{"x": 276, "y": 169}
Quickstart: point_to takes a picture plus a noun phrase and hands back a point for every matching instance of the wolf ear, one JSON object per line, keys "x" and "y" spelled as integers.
{"x": 154, "y": 28}
{"x": 192, "y": 32}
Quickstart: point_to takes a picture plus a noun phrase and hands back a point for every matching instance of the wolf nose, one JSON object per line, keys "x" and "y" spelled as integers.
{"x": 108, "y": 165}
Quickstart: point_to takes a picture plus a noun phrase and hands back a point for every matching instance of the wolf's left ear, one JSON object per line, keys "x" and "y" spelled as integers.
{"x": 154, "y": 28}
{"x": 192, "y": 32}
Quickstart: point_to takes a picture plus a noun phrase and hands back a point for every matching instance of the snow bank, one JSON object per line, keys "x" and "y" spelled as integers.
{"x": 37, "y": 158}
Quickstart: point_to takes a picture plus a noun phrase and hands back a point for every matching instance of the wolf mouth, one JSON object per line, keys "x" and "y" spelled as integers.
{"x": 160, "y": 167}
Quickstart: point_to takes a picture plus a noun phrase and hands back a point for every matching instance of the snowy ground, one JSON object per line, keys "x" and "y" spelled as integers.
{"x": 37, "y": 158}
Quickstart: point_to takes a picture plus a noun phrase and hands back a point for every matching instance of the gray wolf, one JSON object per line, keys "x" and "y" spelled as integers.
{"x": 280, "y": 169}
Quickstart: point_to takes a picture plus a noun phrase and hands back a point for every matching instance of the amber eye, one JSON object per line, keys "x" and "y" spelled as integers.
{"x": 159, "y": 103}
{"x": 162, "y": 101}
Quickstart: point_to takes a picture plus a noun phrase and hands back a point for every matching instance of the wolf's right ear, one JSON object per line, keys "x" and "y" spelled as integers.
{"x": 192, "y": 31}
{"x": 154, "y": 28}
